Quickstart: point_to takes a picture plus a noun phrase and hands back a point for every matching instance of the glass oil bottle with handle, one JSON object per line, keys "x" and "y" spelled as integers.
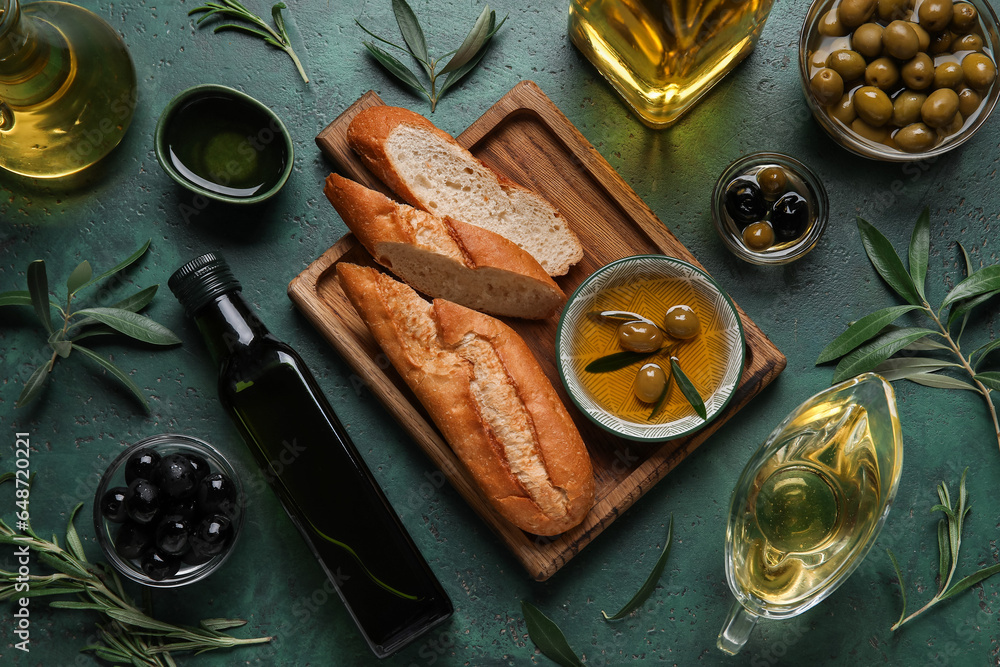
{"x": 308, "y": 458}
{"x": 67, "y": 88}
{"x": 662, "y": 56}
{"x": 810, "y": 503}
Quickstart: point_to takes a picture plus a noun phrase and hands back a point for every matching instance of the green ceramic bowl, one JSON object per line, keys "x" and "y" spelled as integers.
{"x": 649, "y": 285}
{"x": 224, "y": 145}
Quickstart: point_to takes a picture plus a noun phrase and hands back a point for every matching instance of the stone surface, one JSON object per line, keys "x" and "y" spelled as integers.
{"x": 84, "y": 418}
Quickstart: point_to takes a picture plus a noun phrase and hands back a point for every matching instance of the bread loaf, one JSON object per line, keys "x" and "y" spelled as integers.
{"x": 446, "y": 258}
{"x": 487, "y": 395}
{"x": 430, "y": 170}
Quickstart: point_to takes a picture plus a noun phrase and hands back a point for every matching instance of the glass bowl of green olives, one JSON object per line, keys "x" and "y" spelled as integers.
{"x": 168, "y": 511}
{"x": 900, "y": 80}
{"x": 645, "y": 340}
{"x": 769, "y": 208}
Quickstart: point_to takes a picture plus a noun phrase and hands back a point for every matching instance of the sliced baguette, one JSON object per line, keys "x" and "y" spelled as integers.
{"x": 487, "y": 395}
{"x": 430, "y": 170}
{"x": 446, "y": 258}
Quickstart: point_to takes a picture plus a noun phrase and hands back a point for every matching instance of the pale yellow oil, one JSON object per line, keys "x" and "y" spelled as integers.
{"x": 67, "y": 89}
{"x": 810, "y": 506}
{"x": 663, "y": 55}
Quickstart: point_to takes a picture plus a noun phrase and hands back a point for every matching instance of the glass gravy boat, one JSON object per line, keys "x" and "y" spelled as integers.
{"x": 810, "y": 503}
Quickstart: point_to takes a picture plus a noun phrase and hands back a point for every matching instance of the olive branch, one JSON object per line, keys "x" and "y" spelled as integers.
{"x": 123, "y": 318}
{"x": 870, "y": 343}
{"x": 463, "y": 59}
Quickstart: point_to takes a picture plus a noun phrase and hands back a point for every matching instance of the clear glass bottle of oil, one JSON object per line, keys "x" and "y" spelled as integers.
{"x": 67, "y": 88}
{"x": 663, "y": 55}
{"x": 810, "y": 503}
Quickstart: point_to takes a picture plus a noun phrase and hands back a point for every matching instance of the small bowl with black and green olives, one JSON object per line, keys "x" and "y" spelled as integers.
{"x": 900, "y": 80}
{"x": 650, "y": 348}
{"x": 769, "y": 208}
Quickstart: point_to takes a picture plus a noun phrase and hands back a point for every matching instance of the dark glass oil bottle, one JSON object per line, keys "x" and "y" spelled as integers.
{"x": 312, "y": 465}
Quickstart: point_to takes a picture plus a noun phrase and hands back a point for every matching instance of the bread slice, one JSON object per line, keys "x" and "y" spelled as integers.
{"x": 446, "y": 258}
{"x": 487, "y": 395}
{"x": 430, "y": 170}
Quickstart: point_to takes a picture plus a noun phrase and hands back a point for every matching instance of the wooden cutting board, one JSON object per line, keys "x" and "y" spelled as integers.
{"x": 525, "y": 137}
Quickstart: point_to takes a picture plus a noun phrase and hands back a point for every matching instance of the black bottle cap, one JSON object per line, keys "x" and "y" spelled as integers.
{"x": 201, "y": 280}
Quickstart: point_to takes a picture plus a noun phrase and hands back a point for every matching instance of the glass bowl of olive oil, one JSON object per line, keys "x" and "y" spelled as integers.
{"x": 810, "y": 503}
{"x": 622, "y": 329}
{"x": 224, "y": 145}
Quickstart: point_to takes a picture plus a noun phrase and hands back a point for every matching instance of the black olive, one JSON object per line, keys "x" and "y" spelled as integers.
{"x": 186, "y": 508}
{"x": 113, "y": 504}
{"x": 159, "y": 566}
{"x": 200, "y": 466}
{"x": 211, "y": 536}
{"x": 132, "y": 539}
{"x": 217, "y": 495}
{"x": 192, "y": 557}
{"x": 176, "y": 476}
{"x": 744, "y": 201}
{"x": 790, "y": 216}
{"x": 172, "y": 535}
{"x": 142, "y": 465}
{"x": 142, "y": 500}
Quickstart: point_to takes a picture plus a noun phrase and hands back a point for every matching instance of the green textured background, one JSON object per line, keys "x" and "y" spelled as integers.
{"x": 84, "y": 419}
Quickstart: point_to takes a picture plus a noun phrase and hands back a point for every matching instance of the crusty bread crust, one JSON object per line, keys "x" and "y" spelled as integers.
{"x": 487, "y": 200}
{"x": 436, "y": 348}
{"x": 368, "y": 133}
{"x": 517, "y": 285}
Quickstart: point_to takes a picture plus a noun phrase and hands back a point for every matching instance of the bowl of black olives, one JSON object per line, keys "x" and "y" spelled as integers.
{"x": 769, "y": 208}
{"x": 168, "y": 511}
{"x": 900, "y": 80}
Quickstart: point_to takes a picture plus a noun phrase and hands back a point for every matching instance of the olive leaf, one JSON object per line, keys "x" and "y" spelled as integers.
{"x": 871, "y": 354}
{"x": 687, "y": 388}
{"x": 412, "y": 33}
{"x": 940, "y": 381}
{"x": 985, "y": 280}
{"x": 116, "y": 372}
{"x": 462, "y": 60}
{"x": 983, "y": 351}
{"x": 132, "y": 325}
{"x": 33, "y": 387}
{"x": 925, "y": 344}
{"x": 397, "y": 68}
{"x": 885, "y": 260}
{"x": 949, "y": 545}
{"x": 124, "y": 264}
{"x": 86, "y": 322}
{"x": 862, "y": 331}
{"x": 547, "y": 636}
{"x": 38, "y": 288}
{"x": 903, "y": 367}
{"x": 80, "y": 276}
{"x": 920, "y": 242}
{"x": 991, "y": 379}
{"x": 651, "y": 581}
{"x": 965, "y": 306}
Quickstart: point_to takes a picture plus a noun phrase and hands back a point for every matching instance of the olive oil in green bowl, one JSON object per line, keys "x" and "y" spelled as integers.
{"x": 225, "y": 145}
